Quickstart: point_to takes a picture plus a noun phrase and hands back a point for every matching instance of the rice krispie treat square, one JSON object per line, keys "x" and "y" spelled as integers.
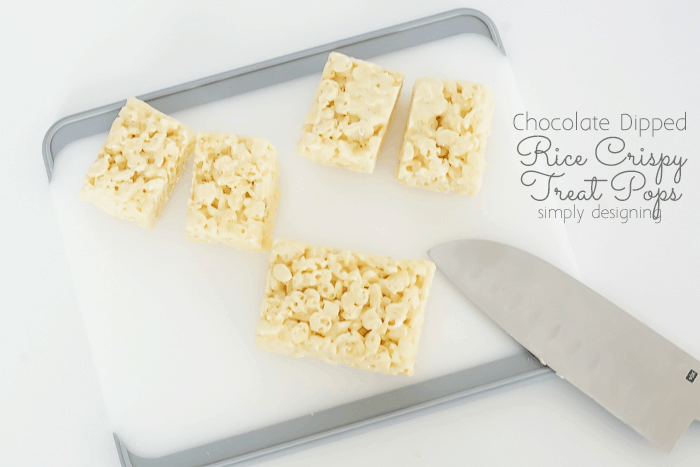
{"x": 342, "y": 306}
{"x": 234, "y": 194}
{"x": 139, "y": 164}
{"x": 445, "y": 138}
{"x": 350, "y": 113}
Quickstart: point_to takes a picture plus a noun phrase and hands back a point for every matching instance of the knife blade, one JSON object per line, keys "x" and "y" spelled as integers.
{"x": 629, "y": 369}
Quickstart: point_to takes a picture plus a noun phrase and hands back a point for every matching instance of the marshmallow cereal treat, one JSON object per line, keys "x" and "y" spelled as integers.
{"x": 341, "y": 306}
{"x": 445, "y": 138}
{"x": 350, "y": 114}
{"x": 137, "y": 167}
{"x": 234, "y": 192}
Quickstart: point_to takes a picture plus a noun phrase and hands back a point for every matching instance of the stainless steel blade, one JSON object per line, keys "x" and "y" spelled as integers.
{"x": 633, "y": 372}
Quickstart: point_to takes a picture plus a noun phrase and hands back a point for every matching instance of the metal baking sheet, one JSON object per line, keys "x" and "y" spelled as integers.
{"x": 364, "y": 413}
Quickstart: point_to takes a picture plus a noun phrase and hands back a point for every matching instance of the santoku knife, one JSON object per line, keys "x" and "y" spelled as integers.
{"x": 633, "y": 372}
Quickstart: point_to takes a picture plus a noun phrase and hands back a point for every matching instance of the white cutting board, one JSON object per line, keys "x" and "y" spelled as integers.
{"x": 171, "y": 323}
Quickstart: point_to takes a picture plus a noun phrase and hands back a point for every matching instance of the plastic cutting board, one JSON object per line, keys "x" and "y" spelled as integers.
{"x": 171, "y": 323}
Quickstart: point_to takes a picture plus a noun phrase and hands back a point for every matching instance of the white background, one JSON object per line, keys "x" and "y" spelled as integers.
{"x": 599, "y": 58}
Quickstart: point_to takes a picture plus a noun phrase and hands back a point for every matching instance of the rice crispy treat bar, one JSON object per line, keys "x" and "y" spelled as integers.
{"x": 139, "y": 164}
{"x": 361, "y": 310}
{"x": 234, "y": 194}
{"x": 445, "y": 137}
{"x": 350, "y": 113}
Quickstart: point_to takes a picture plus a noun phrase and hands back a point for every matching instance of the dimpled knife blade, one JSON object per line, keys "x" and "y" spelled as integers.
{"x": 633, "y": 372}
